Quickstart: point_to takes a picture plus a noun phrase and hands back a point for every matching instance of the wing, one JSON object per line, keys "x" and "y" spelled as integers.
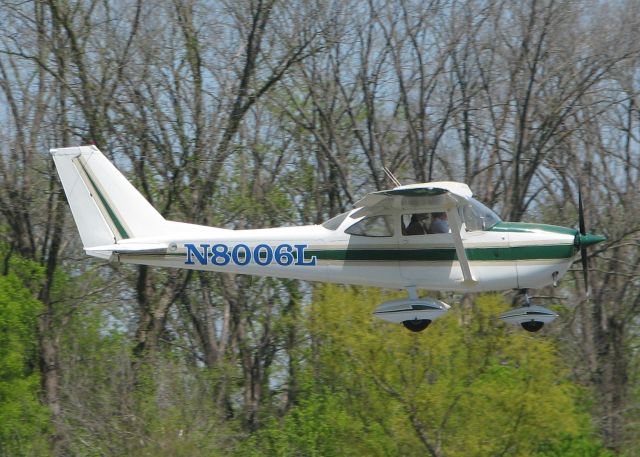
{"x": 426, "y": 197}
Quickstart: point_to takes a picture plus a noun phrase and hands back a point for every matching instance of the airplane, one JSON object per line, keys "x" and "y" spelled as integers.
{"x": 432, "y": 236}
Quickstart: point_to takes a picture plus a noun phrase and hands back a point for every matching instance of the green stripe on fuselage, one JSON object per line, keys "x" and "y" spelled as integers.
{"x": 564, "y": 251}
{"x": 499, "y": 254}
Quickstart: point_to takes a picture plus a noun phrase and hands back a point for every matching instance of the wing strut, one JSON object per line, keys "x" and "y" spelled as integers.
{"x": 456, "y": 228}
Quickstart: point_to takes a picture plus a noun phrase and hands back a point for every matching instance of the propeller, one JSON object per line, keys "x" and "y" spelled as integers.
{"x": 583, "y": 247}
{"x": 583, "y": 240}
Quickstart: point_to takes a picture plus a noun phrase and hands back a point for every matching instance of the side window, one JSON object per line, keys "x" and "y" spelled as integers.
{"x": 372, "y": 226}
{"x": 415, "y": 224}
{"x": 425, "y": 223}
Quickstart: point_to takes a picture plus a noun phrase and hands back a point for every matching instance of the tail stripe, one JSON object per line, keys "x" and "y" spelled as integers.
{"x": 108, "y": 212}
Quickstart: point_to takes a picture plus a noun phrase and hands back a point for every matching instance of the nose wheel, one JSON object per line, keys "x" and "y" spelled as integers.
{"x": 532, "y": 326}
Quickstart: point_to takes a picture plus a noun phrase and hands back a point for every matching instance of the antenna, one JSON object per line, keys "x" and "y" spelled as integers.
{"x": 392, "y": 178}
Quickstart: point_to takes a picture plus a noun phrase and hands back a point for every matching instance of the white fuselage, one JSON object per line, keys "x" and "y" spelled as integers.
{"x": 386, "y": 240}
{"x": 512, "y": 256}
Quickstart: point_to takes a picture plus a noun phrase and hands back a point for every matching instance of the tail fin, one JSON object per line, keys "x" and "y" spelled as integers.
{"x": 105, "y": 206}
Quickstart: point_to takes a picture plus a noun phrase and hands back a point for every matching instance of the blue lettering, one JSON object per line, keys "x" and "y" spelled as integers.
{"x": 268, "y": 254}
{"x": 220, "y": 255}
{"x": 241, "y": 254}
{"x": 284, "y": 257}
{"x": 300, "y": 256}
{"x": 200, "y": 257}
{"x": 246, "y": 256}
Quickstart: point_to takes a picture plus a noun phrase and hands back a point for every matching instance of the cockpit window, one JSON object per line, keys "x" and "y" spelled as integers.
{"x": 372, "y": 226}
{"x": 335, "y": 221}
{"x": 424, "y": 223}
{"x": 477, "y": 216}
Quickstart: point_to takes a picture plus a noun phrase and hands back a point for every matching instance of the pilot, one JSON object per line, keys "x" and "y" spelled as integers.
{"x": 439, "y": 223}
{"x": 417, "y": 225}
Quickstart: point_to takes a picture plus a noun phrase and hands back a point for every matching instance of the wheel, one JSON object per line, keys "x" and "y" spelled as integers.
{"x": 532, "y": 326}
{"x": 416, "y": 325}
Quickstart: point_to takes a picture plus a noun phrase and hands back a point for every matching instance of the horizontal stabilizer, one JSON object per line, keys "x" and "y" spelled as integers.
{"x": 131, "y": 248}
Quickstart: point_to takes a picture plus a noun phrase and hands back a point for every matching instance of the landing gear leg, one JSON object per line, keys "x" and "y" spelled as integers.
{"x": 522, "y": 297}
{"x": 413, "y": 292}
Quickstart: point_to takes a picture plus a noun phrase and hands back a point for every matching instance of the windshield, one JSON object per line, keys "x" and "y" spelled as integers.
{"x": 476, "y": 216}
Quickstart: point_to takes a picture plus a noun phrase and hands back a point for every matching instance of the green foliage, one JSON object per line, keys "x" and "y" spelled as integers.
{"x": 174, "y": 417}
{"x": 164, "y": 407}
{"x": 23, "y": 420}
{"x": 237, "y": 204}
{"x": 574, "y": 446}
{"x": 320, "y": 425}
{"x": 468, "y": 386}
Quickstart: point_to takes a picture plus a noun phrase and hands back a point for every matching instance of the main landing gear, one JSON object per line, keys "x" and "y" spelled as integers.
{"x": 530, "y": 317}
{"x": 413, "y": 312}
{"x": 416, "y": 314}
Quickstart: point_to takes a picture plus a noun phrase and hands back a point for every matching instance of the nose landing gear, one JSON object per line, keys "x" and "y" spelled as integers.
{"x": 532, "y": 326}
{"x": 530, "y": 317}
